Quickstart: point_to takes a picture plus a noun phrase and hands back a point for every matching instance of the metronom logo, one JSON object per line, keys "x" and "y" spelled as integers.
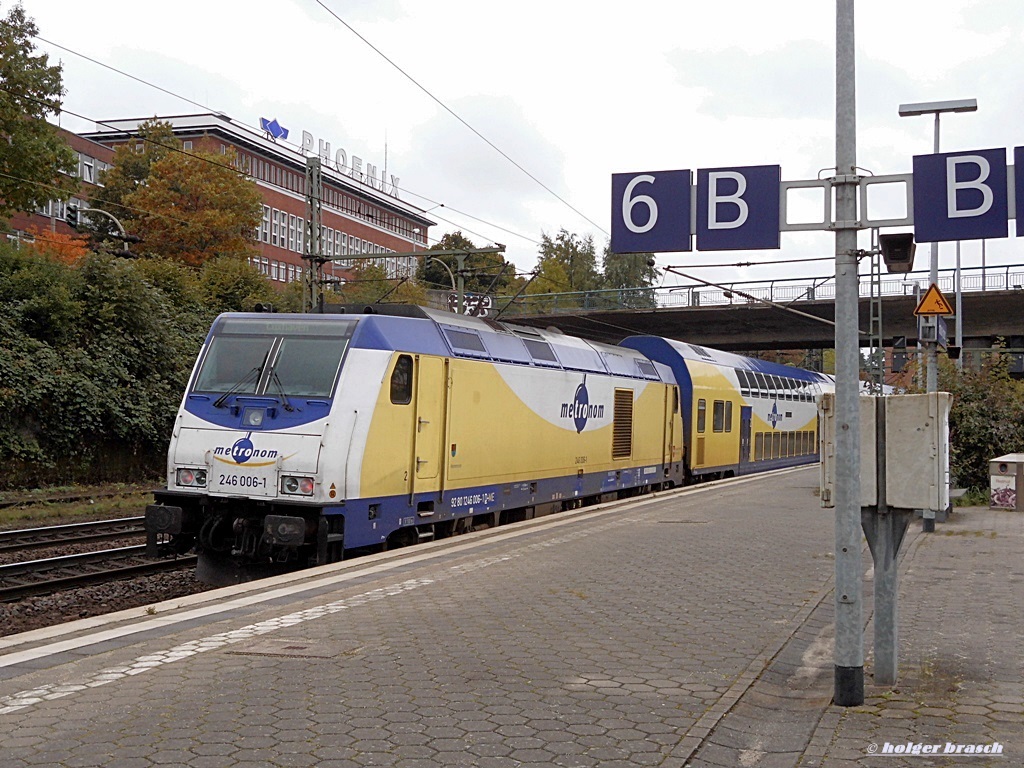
{"x": 243, "y": 450}
{"x": 581, "y": 409}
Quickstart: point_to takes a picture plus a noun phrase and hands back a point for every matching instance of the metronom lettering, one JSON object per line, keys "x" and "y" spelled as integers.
{"x": 576, "y": 410}
{"x": 254, "y": 453}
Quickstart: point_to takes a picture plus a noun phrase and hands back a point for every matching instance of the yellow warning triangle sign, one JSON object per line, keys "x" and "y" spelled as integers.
{"x": 933, "y": 303}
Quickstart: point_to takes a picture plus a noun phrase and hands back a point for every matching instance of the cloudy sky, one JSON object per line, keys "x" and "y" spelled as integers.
{"x": 571, "y": 91}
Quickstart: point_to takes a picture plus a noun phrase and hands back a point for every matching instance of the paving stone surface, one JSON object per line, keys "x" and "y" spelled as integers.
{"x": 961, "y": 673}
{"x": 686, "y": 630}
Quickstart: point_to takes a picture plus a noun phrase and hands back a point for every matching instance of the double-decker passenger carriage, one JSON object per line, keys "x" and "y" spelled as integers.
{"x": 301, "y": 437}
{"x": 740, "y": 415}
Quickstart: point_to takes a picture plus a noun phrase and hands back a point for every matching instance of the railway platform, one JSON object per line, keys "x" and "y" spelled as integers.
{"x": 684, "y": 628}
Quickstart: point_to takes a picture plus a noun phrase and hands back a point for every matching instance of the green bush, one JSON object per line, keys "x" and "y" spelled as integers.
{"x": 986, "y": 420}
{"x": 95, "y": 358}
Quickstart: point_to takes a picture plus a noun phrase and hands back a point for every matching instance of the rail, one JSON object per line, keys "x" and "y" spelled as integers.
{"x": 40, "y": 577}
{"x": 783, "y": 290}
{"x": 72, "y": 533}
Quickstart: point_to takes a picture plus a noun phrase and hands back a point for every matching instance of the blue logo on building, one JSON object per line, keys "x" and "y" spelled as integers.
{"x": 580, "y": 410}
{"x": 774, "y": 417}
{"x": 274, "y": 128}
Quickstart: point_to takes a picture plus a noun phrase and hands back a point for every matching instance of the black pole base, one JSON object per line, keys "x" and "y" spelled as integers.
{"x": 849, "y": 687}
{"x": 928, "y": 525}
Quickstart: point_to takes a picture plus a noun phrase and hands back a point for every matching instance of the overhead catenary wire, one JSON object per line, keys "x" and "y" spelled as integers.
{"x": 91, "y": 198}
{"x": 459, "y": 118}
{"x": 252, "y": 127}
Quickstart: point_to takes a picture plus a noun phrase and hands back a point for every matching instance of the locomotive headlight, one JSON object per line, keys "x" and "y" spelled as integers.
{"x": 253, "y": 417}
{"x": 195, "y": 478}
{"x": 297, "y": 486}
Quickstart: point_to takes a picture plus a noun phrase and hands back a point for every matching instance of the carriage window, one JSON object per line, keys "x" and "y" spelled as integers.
{"x": 728, "y": 415}
{"x": 762, "y": 385}
{"x": 718, "y": 423}
{"x": 702, "y": 415}
{"x": 744, "y": 383}
{"x": 401, "y": 381}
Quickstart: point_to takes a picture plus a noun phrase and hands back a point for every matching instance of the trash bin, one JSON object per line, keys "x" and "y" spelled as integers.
{"x": 1006, "y": 482}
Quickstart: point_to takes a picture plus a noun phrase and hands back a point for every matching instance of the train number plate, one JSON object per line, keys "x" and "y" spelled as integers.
{"x": 233, "y": 480}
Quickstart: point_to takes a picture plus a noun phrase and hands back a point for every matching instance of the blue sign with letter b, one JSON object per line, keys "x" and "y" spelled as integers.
{"x": 738, "y": 208}
{"x": 960, "y": 196}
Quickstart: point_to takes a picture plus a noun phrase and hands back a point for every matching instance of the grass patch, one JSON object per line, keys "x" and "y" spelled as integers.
{"x": 975, "y": 497}
{"x": 53, "y": 506}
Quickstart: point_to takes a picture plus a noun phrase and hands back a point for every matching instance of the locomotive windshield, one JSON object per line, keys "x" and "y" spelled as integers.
{"x": 278, "y": 358}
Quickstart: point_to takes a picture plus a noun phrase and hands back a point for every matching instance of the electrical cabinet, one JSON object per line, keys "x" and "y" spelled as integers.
{"x": 916, "y": 450}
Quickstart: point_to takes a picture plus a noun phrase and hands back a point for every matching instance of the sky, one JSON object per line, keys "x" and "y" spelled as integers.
{"x": 570, "y": 92}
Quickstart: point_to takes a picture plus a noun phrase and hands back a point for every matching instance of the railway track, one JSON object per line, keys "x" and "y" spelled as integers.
{"x": 39, "y": 577}
{"x": 73, "y": 533}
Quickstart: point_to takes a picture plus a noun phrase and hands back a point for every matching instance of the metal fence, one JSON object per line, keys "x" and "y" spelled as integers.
{"x": 782, "y": 291}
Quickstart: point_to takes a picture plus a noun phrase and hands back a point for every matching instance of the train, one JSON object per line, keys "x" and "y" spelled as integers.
{"x": 304, "y": 438}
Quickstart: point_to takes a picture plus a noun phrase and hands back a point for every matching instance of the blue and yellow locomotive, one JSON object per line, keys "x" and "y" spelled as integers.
{"x": 301, "y": 437}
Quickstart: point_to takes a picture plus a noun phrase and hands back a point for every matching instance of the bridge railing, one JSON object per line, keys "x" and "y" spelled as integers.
{"x": 781, "y": 291}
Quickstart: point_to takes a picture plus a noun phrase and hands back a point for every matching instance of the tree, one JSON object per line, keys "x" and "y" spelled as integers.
{"x": 38, "y": 164}
{"x": 233, "y": 285}
{"x": 66, "y": 248}
{"x": 483, "y": 271}
{"x": 195, "y": 206}
{"x": 551, "y": 277}
{"x": 576, "y": 257}
{"x": 986, "y": 420}
{"x": 370, "y": 284}
{"x": 633, "y": 275}
{"x": 129, "y": 170}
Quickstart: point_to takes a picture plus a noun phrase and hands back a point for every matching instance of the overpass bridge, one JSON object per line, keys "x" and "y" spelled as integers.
{"x": 736, "y": 316}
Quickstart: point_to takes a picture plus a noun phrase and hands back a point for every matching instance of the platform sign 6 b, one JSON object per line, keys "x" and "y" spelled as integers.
{"x": 651, "y": 212}
{"x": 736, "y": 207}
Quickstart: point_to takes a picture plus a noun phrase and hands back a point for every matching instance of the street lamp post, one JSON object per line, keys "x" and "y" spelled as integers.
{"x": 937, "y": 108}
{"x": 447, "y": 269}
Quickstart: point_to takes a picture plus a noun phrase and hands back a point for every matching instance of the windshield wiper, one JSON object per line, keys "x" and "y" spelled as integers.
{"x": 280, "y": 389}
{"x": 219, "y": 402}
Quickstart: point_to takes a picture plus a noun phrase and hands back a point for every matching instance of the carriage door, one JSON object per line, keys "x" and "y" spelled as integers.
{"x": 431, "y": 394}
{"x": 745, "y": 412}
{"x": 670, "y": 445}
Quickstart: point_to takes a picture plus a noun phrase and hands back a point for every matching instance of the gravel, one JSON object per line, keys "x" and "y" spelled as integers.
{"x": 61, "y": 607}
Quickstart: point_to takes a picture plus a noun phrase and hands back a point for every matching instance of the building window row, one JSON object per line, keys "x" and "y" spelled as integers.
{"x": 58, "y": 209}
{"x": 281, "y": 229}
{"x": 287, "y": 231}
{"x": 281, "y": 271}
{"x": 278, "y": 176}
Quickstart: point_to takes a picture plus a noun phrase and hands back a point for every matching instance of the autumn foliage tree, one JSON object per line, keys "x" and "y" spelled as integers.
{"x": 67, "y": 249}
{"x": 195, "y": 206}
{"x": 130, "y": 170}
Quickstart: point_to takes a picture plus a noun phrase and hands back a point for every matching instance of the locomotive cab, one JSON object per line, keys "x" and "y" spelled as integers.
{"x": 244, "y": 461}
